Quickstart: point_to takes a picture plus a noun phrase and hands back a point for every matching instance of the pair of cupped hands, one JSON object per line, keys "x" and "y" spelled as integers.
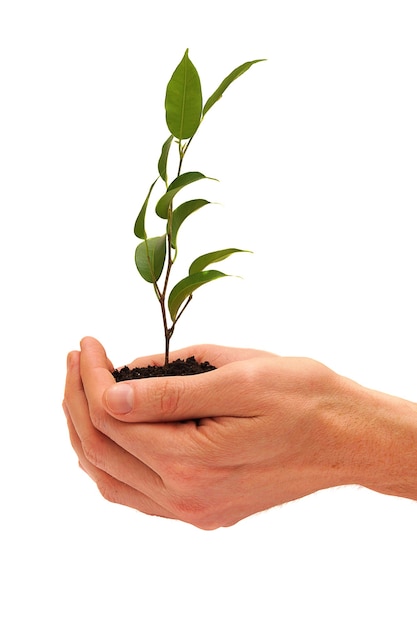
{"x": 214, "y": 448}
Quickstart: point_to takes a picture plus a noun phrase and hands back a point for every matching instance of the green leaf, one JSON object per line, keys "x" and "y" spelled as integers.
{"x": 212, "y": 257}
{"x": 181, "y": 213}
{"x": 163, "y": 159}
{"x": 177, "y": 184}
{"x": 187, "y": 286}
{"x": 184, "y": 100}
{"x": 139, "y": 228}
{"x": 227, "y": 81}
{"x": 150, "y": 258}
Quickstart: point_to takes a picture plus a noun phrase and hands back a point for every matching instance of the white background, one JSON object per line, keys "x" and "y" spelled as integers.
{"x": 315, "y": 151}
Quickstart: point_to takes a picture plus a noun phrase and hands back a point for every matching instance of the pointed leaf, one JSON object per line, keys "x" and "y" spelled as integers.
{"x": 187, "y": 286}
{"x": 181, "y": 213}
{"x": 227, "y": 81}
{"x": 212, "y": 257}
{"x": 139, "y": 228}
{"x": 177, "y": 184}
{"x": 183, "y": 100}
{"x": 150, "y": 258}
{"x": 163, "y": 159}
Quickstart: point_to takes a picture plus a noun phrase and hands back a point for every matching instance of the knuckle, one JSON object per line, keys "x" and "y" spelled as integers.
{"x": 187, "y": 482}
{"x": 106, "y": 489}
{"x": 93, "y": 452}
{"x": 193, "y": 510}
{"x": 187, "y": 475}
{"x": 74, "y": 441}
{"x": 251, "y": 376}
{"x": 318, "y": 376}
{"x": 167, "y": 397}
{"x": 97, "y": 418}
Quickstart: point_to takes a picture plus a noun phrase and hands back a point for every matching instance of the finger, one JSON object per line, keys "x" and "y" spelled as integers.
{"x": 110, "y": 487}
{"x": 213, "y": 394}
{"x": 74, "y": 392}
{"x": 75, "y": 403}
{"x": 96, "y": 377}
{"x": 147, "y": 445}
{"x": 102, "y": 456}
{"x": 119, "y": 493}
{"x": 94, "y": 363}
{"x": 114, "y": 489}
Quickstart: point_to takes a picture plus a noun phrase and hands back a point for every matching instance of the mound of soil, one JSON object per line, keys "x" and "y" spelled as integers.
{"x": 189, "y": 367}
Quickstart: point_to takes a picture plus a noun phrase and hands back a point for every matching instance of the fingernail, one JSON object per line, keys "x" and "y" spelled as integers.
{"x": 119, "y": 398}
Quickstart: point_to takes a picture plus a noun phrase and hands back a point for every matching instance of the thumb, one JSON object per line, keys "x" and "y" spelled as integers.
{"x": 175, "y": 398}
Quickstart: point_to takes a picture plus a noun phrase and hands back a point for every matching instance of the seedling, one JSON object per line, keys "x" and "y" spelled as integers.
{"x": 155, "y": 256}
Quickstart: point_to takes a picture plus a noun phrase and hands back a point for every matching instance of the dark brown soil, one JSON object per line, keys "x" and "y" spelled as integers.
{"x": 179, "y": 367}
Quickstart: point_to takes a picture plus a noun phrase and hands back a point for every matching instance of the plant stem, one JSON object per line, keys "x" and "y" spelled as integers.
{"x": 168, "y": 331}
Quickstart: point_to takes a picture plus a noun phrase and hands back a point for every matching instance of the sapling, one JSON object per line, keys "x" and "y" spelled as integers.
{"x": 156, "y": 255}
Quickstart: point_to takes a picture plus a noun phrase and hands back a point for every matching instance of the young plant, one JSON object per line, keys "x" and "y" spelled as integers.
{"x": 155, "y": 256}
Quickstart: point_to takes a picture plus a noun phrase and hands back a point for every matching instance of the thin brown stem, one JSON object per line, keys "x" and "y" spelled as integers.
{"x": 162, "y": 295}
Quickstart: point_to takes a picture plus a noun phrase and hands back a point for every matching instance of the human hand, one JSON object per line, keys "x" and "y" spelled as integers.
{"x": 209, "y": 449}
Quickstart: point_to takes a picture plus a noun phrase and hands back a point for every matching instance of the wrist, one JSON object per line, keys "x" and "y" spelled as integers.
{"x": 381, "y": 435}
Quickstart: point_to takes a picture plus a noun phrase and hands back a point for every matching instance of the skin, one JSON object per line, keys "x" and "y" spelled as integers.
{"x": 215, "y": 448}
